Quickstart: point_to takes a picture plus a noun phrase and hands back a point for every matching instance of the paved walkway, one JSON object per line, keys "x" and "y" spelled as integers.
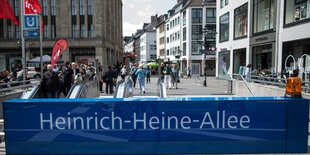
{"x": 187, "y": 87}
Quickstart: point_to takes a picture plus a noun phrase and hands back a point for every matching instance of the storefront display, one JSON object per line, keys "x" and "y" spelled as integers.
{"x": 239, "y": 61}
{"x": 224, "y": 27}
{"x": 263, "y": 15}
{"x": 262, "y": 59}
{"x": 224, "y": 64}
{"x": 241, "y": 21}
{"x": 296, "y": 10}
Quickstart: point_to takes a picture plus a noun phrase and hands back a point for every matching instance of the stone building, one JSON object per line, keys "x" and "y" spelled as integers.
{"x": 93, "y": 29}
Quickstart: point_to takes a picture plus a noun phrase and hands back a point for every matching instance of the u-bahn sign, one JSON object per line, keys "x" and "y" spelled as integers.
{"x": 156, "y": 126}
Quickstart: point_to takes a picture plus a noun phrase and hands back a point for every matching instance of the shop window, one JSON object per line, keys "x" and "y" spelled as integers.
{"x": 239, "y": 61}
{"x": 224, "y": 64}
{"x": 262, "y": 58}
{"x": 263, "y": 15}
{"x": 196, "y": 47}
{"x": 241, "y": 21}
{"x": 196, "y": 15}
{"x": 224, "y": 27}
{"x": 296, "y": 10}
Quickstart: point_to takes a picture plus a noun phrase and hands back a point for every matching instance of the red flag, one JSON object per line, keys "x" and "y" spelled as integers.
{"x": 7, "y": 12}
{"x": 58, "y": 49}
{"x": 33, "y": 7}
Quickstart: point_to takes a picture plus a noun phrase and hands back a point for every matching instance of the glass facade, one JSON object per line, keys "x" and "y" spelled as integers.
{"x": 211, "y": 15}
{"x": 296, "y": 10}
{"x": 263, "y": 15}
{"x": 196, "y": 47}
{"x": 196, "y": 15}
{"x": 224, "y": 27}
{"x": 241, "y": 21}
{"x": 262, "y": 57}
{"x": 196, "y": 32}
{"x": 224, "y": 64}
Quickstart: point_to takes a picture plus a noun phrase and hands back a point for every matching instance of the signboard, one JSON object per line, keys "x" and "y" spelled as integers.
{"x": 156, "y": 126}
{"x": 195, "y": 69}
{"x": 31, "y": 21}
{"x": 31, "y": 33}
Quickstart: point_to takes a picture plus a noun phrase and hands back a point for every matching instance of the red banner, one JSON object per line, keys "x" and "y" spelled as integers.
{"x": 7, "y": 12}
{"x": 32, "y": 7}
{"x": 58, "y": 49}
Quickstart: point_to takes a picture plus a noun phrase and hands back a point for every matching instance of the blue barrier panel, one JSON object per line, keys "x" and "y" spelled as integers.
{"x": 156, "y": 126}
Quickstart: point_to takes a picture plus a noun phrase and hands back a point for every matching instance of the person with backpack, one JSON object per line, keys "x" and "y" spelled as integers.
{"x": 109, "y": 80}
{"x": 141, "y": 78}
{"x": 133, "y": 74}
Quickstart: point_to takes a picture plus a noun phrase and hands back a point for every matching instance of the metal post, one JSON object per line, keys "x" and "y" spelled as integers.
{"x": 23, "y": 40}
{"x": 205, "y": 68}
{"x": 41, "y": 46}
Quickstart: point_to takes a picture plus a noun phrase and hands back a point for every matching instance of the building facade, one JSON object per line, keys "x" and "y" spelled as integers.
{"x": 271, "y": 35}
{"x": 161, "y": 39}
{"x": 92, "y": 28}
{"x": 185, "y": 38}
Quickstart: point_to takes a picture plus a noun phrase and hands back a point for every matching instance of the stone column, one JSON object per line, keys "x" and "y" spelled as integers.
{"x": 5, "y": 28}
{"x": 78, "y": 23}
{"x": 97, "y": 10}
{"x": 99, "y": 54}
{"x": 66, "y": 55}
{"x": 104, "y": 18}
{"x": 110, "y": 20}
{"x": 13, "y": 25}
{"x": 86, "y": 17}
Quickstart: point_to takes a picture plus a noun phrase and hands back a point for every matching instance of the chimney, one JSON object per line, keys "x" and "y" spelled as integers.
{"x": 154, "y": 18}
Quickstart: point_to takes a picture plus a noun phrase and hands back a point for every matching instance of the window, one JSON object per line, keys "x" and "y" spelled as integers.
{"x": 241, "y": 21}
{"x": 10, "y": 32}
{"x": 211, "y": 31}
{"x": 184, "y": 18}
{"x": 222, "y": 3}
{"x": 167, "y": 27}
{"x": 53, "y": 31}
{"x": 152, "y": 47}
{"x": 162, "y": 52}
{"x": 223, "y": 64}
{"x": 90, "y": 7}
{"x": 1, "y": 28}
{"x": 45, "y": 31}
{"x": 184, "y": 34}
{"x": 167, "y": 39}
{"x": 82, "y": 7}
{"x": 83, "y": 31}
{"x": 196, "y": 47}
{"x": 73, "y": 7}
{"x": 296, "y": 10}
{"x": 224, "y": 27}
{"x": 53, "y": 7}
{"x": 162, "y": 40}
{"x": 16, "y": 10}
{"x": 196, "y": 32}
{"x": 184, "y": 49}
{"x": 263, "y": 15}
{"x": 239, "y": 63}
{"x": 226, "y": 2}
{"x": 196, "y": 15}
{"x": 262, "y": 57}
{"x": 168, "y": 53}
{"x": 178, "y": 20}
{"x": 45, "y": 11}
{"x": 211, "y": 15}
{"x": 74, "y": 31}
{"x": 91, "y": 30}
{"x": 17, "y": 30}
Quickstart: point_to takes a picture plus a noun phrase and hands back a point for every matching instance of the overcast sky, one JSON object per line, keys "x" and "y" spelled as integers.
{"x": 137, "y": 12}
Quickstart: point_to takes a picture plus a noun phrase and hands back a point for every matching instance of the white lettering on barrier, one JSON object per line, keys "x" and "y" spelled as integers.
{"x": 143, "y": 121}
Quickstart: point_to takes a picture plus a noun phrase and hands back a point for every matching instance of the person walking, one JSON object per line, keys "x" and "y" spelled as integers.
{"x": 167, "y": 72}
{"x": 175, "y": 76}
{"x": 141, "y": 79}
{"x": 68, "y": 76}
{"x": 189, "y": 74}
{"x": 123, "y": 72}
{"x": 108, "y": 79}
{"x": 162, "y": 75}
{"x": 115, "y": 74}
{"x": 133, "y": 74}
{"x": 50, "y": 83}
{"x": 148, "y": 75}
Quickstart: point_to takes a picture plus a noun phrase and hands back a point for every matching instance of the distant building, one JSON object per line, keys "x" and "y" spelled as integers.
{"x": 161, "y": 38}
{"x": 93, "y": 29}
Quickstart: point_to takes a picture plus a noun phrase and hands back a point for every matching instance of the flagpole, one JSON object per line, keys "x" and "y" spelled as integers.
{"x": 23, "y": 40}
{"x": 41, "y": 47}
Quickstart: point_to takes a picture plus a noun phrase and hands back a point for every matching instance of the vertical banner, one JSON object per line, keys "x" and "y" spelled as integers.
{"x": 58, "y": 49}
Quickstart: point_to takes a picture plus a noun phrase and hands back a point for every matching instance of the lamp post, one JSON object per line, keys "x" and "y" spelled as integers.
{"x": 207, "y": 47}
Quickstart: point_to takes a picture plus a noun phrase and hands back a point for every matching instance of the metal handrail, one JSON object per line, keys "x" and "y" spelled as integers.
{"x": 162, "y": 93}
{"x": 246, "y": 83}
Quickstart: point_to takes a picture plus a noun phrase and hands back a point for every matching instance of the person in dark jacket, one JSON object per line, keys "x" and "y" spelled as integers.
{"x": 109, "y": 80}
{"x": 50, "y": 82}
{"x": 68, "y": 76}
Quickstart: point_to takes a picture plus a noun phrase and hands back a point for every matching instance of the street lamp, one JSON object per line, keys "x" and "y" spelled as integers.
{"x": 207, "y": 46}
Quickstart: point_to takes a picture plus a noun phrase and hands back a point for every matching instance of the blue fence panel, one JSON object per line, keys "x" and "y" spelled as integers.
{"x": 156, "y": 126}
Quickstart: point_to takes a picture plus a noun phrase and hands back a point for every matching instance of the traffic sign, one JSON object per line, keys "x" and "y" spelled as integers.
{"x": 31, "y": 22}
{"x": 31, "y": 33}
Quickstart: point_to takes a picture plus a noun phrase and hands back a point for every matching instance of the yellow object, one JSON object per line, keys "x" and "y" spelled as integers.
{"x": 293, "y": 87}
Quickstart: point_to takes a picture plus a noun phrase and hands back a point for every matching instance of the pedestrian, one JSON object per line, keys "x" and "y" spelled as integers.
{"x": 67, "y": 73}
{"x": 162, "y": 75}
{"x": 55, "y": 69}
{"x": 175, "y": 76}
{"x": 167, "y": 72}
{"x": 115, "y": 74}
{"x": 76, "y": 71}
{"x": 50, "y": 83}
{"x": 109, "y": 80}
{"x": 248, "y": 71}
{"x": 100, "y": 78}
{"x": 133, "y": 74}
{"x": 141, "y": 78}
{"x": 123, "y": 72}
{"x": 148, "y": 75}
{"x": 189, "y": 74}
